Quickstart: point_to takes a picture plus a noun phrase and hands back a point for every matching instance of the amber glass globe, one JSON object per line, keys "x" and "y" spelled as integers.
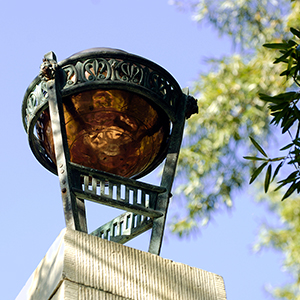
{"x": 115, "y": 131}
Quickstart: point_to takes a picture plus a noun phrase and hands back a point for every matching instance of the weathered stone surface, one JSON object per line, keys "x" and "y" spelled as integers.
{"x": 81, "y": 266}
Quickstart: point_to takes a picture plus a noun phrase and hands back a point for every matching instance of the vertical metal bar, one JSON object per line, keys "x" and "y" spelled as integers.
{"x": 134, "y": 196}
{"x": 74, "y": 208}
{"x": 147, "y": 200}
{"x": 102, "y": 187}
{"x": 110, "y": 189}
{"x": 127, "y": 200}
{"x": 86, "y": 183}
{"x": 94, "y": 185}
{"x": 168, "y": 178}
{"x": 143, "y": 196}
{"x": 152, "y": 199}
{"x": 118, "y": 191}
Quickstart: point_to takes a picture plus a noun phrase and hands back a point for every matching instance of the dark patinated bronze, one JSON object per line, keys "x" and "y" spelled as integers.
{"x": 99, "y": 120}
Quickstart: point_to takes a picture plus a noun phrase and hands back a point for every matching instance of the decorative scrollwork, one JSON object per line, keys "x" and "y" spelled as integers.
{"x": 99, "y": 69}
{"x": 35, "y": 100}
{"x": 130, "y": 72}
{"x": 161, "y": 86}
{"x": 105, "y": 70}
{"x": 71, "y": 74}
{"x": 95, "y": 69}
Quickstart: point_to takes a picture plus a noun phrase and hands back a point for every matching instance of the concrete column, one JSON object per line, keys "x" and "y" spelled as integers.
{"x": 84, "y": 267}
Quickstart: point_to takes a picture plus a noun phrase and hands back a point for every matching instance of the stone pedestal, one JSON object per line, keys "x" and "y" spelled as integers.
{"x": 85, "y": 267}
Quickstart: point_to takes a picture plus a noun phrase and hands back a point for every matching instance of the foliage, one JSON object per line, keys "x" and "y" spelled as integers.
{"x": 231, "y": 110}
{"x": 211, "y": 167}
{"x": 285, "y": 238}
{"x": 285, "y": 112}
{"x": 247, "y": 22}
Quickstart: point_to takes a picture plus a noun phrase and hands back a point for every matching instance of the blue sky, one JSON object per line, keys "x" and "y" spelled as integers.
{"x": 32, "y": 215}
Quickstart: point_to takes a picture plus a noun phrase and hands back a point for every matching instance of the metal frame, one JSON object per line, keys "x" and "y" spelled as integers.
{"x": 145, "y": 205}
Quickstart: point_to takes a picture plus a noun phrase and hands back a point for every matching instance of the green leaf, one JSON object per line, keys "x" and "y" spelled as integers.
{"x": 290, "y": 178}
{"x": 258, "y": 147}
{"x": 288, "y": 124}
{"x": 290, "y": 190}
{"x": 287, "y": 147}
{"x": 280, "y": 186}
{"x": 283, "y": 57}
{"x": 268, "y": 178}
{"x": 289, "y": 72}
{"x": 296, "y": 142}
{"x": 277, "y": 170}
{"x": 279, "y": 115}
{"x": 278, "y": 99}
{"x": 288, "y": 96}
{"x": 257, "y": 172}
{"x": 295, "y": 32}
{"x": 268, "y": 98}
{"x": 296, "y": 111}
{"x": 290, "y": 61}
{"x": 292, "y": 43}
{"x": 277, "y": 46}
{"x": 279, "y": 106}
{"x": 277, "y": 158}
{"x": 254, "y": 158}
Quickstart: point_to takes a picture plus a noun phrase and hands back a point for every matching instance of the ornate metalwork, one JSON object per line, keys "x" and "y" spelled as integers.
{"x": 36, "y": 99}
{"x": 48, "y": 67}
{"x": 124, "y": 227}
{"x": 95, "y": 69}
{"x": 109, "y": 68}
{"x": 145, "y": 205}
{"x": 116, "y": 191}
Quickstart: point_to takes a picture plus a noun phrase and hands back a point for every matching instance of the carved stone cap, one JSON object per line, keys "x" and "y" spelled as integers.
{"x": 81, "y": 266}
